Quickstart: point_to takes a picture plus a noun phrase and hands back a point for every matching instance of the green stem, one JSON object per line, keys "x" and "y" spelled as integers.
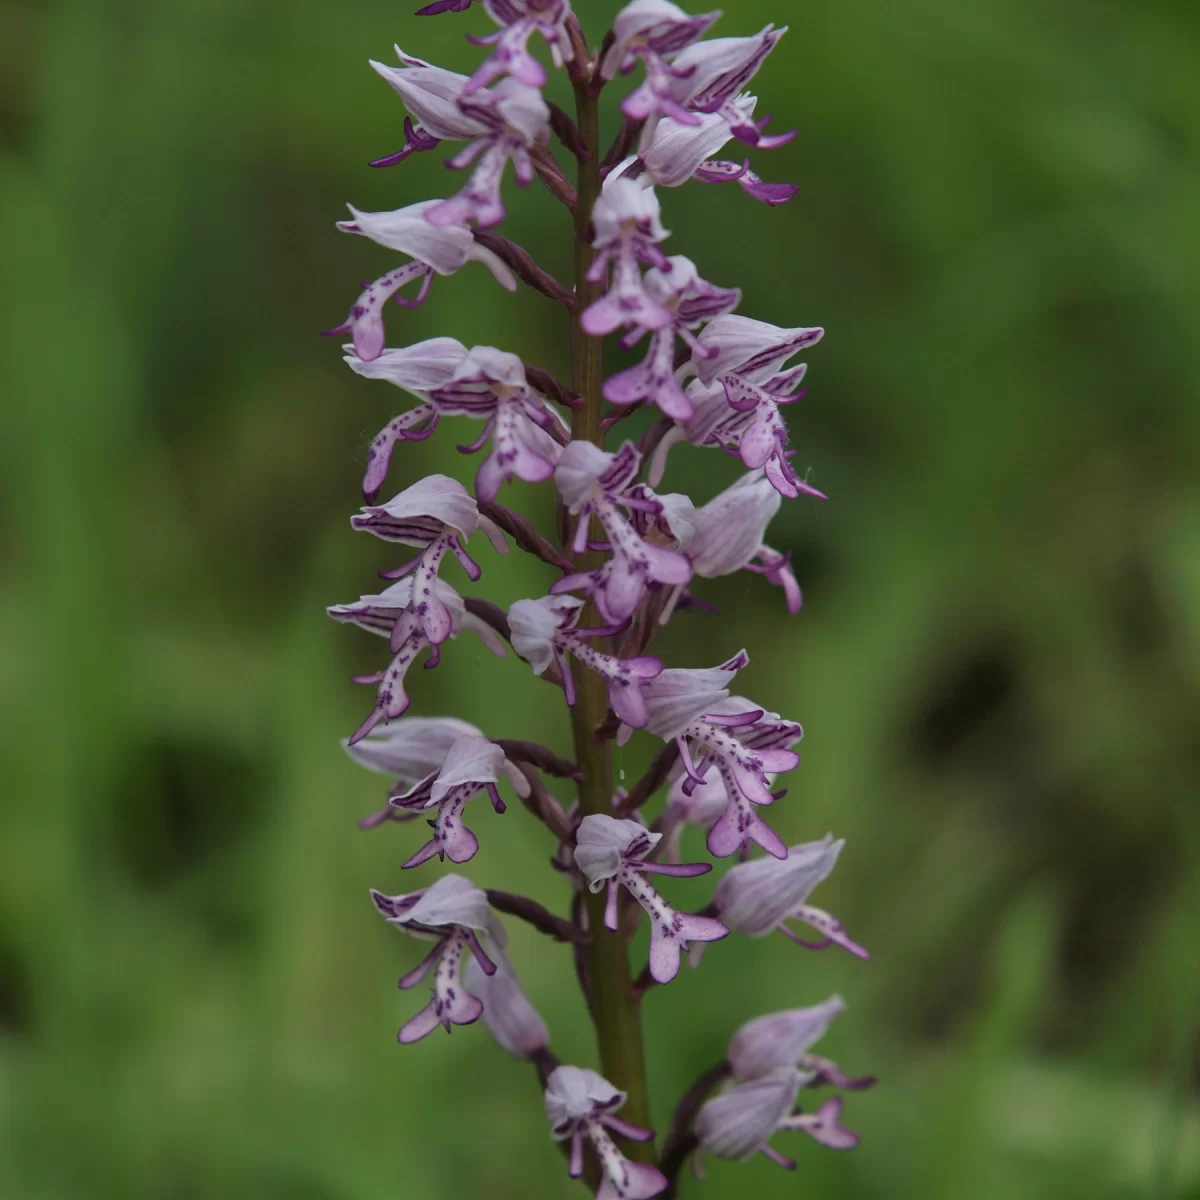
{"x": 616, "y": 1011}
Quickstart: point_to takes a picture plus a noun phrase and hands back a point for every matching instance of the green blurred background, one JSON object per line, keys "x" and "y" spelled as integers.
{"x": 996, "y": 665}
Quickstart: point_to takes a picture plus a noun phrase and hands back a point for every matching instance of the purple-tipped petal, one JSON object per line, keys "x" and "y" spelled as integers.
{"x": 773, "y": 194}
{"x": 421, "y": 969}
{"x": 365, "y": 321}
{"x": 737, "y": 827}
{"x": 459, "y": 843}
{"x": 420, "y": 1026}
{"x": 679, "y": 870}
{"x": 825, "y": 1127}
{"x": 426, "y": 852}
{"x": 626, "y": 1129}
{"x": 832, "y": 929}
{"x": 640, "y": 1181}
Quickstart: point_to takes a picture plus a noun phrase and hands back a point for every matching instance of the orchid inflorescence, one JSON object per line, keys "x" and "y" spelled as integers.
{"x": 627, "y": 556}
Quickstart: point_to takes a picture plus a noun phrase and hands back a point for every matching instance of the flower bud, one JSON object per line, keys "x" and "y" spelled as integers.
{"x": 729, "y": 529}
{"x": 757, "y": 897}
{"x": 676, "y": 152}
{"x": 410, "y": 748}
{"x": 431, "y": 94}
{"x": 780, "y": 1039}
{"x": 720, "y": 67}
{"x": 754, "y": 897}
{"x": 444, "y": 250}
{"x": 753, "y": 348}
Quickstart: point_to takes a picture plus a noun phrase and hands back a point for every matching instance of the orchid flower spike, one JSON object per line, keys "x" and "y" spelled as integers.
{"x": 581, "y": 1104}
{"x": 612, "y": 854}
{"x": 433, "y": 250}
{"x": 452, "y": 913}
{"x": 626, "y": 551}
{"x": 757, "y": 897}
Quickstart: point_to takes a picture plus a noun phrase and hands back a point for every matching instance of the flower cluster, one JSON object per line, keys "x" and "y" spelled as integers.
{"x": 629, "y": 556}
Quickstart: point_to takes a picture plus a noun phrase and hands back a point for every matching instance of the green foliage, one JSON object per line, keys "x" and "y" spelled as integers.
{"x": 997, "y": 663}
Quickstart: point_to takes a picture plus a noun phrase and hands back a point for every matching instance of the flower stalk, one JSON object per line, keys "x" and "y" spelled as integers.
{"x": 614, "y": 1005}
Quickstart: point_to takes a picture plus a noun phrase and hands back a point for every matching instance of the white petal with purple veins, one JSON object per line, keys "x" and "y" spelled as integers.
{"x": 725, "y": 64}
{"x": 411, "y": 747}
{"x": 444, "y": 248}
{"x": 471, "y": 760}
{"x": 418, "y": 368}
{"x": 436, "y": 496}
{"x": 755, "y": 349}
{"x": 679, "y": 695}
{"x": 675, "y": 152}
{"x": 452, "y": 900}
